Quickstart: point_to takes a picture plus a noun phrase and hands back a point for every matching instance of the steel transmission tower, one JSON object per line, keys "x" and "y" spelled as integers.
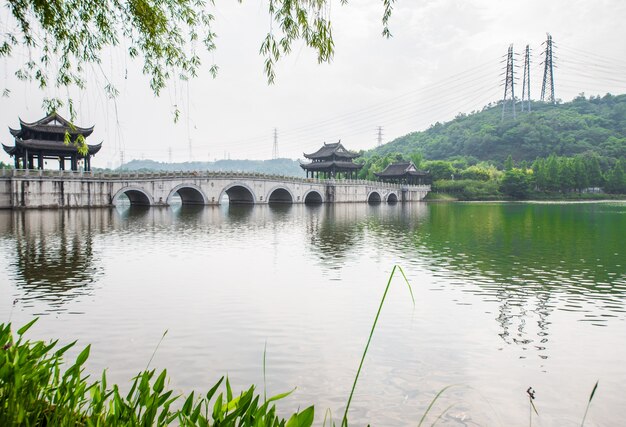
{"x": 509, "y": 83}
{"x": 379, "y": 140}
{"x": 275, "y": 148}
{"x": 526, "y": 80}
{"x": 548, "y": 74}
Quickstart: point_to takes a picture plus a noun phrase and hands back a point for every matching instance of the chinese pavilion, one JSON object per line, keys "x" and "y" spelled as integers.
{"x": 403, "y": 173}
{"x": 45, "y": 140}
{"x": 331, "y": 161}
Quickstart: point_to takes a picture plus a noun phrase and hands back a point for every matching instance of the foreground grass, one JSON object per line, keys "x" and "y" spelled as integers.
{"x": 35, "y": 392}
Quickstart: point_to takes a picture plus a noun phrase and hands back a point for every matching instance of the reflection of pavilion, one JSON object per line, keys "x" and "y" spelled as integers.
{"x": 54, "y": 262}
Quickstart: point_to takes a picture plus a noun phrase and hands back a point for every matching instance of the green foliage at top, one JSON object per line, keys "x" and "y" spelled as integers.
{"x": 595, "y": 125}
{"x": 36, "y": 389}
{"x": 66, "y": 37}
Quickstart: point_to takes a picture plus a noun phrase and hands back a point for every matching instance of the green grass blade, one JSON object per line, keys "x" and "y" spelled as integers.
{"x": 445, "y": 411}
{"x": 432, "y": 403}
{"x": 264, "y": 377}
{"x": 593, "y": 392}
{"x": 155, "y": 349}
{"x": 21, "y": 331}
{"x": 344, "y": 421}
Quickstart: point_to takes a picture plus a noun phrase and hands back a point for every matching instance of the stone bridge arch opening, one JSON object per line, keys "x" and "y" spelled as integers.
{"x": 374, "y": 198}
{"x": 392, "y": 198}
{"x": 313, "y": 197}
{"x": 237, "y": 194}
{"x": 132, "y": 196}
{"x": 280, "y": 195}
{"x": 187, "y": 194}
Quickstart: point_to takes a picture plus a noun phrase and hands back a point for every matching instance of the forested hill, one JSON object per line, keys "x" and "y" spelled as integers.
{"x": 596, "y": 124}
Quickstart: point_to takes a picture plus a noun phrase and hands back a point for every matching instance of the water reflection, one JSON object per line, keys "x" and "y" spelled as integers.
{"x": 54, "y": 260}
{"x": 529, "y": 259}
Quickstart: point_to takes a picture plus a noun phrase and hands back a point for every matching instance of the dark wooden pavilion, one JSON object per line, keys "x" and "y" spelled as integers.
{"x": 45, "y": 140}
{"x": 403, "y": 173}
{"x": 331, "y": 161}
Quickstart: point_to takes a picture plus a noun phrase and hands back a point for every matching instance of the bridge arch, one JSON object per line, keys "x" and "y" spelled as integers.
{"x": 136, "y": 195}
{"x": 374, "y": 197}
{"x": 313, "y": 197}
{"x": 190, "y": 194}
{"x": 238, "y": 193}
{"x": 280, "y": 194}
{"x": 392, "y": 197}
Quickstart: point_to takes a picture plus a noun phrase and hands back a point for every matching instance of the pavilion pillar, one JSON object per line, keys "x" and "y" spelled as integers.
{"x": 39, "y": 161}
{"x": 61, "y": 163}
{"x": 17, "y": 162}
{"x": 31, "y": 162}
{"x": 87, "y": 163}
{"x": 73, "y": 163}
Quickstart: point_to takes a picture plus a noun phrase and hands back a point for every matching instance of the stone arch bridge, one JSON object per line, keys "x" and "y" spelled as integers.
{"x": 61, "y": 189}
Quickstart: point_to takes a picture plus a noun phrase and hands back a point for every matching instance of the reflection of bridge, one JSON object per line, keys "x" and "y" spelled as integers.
{"x": 54, "y": 189}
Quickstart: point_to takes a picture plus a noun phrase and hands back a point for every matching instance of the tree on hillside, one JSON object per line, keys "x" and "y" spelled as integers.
{"x": 516, "y": 183}
{"x": 616, "y": 179}
{"x": 63, "y": 37}
{"x": 508, "y": 163}
{"x": 440, "y": 170}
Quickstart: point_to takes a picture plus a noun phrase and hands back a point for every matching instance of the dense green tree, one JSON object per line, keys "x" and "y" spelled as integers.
{"x": 616, "y": 178}
{"x": 508, "y": 163}
{"x": 440, "y": 169}
{"x": 579, "y": 171}
{"x": 593, "y": 171}
{"x": 516, "y": 183}
{"x": 479, "y": 172}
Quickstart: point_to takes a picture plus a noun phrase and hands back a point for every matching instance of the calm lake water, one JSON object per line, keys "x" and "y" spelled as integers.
{"x": 507, "y": 296}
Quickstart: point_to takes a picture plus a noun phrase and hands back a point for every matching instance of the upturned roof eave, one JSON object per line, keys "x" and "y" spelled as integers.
{"x": 55, "y": 116}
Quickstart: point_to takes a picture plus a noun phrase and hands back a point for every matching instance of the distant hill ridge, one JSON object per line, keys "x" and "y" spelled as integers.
{"x": 285, "y": 167}
{"x": 595, "y": 124}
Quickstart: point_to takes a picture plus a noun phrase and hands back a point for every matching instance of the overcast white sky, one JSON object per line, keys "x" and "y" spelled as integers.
{"x": 444, "y": 58}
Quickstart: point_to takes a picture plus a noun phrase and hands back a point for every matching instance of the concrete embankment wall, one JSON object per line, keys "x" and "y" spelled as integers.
{"x": 5, "y": 193}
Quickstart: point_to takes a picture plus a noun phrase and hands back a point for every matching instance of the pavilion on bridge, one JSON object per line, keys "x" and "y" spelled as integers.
{"x": 331, "y": 161}
{"x": 45, "y": 140}
{"x": 403, "y": 173}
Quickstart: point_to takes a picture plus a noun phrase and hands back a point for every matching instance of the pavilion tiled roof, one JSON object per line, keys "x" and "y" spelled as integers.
{"x": 400, "y": 169}
{"x": 330, "y": 150}
{"x": 58, "y": 146}
{"x": 52, "y": 123}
